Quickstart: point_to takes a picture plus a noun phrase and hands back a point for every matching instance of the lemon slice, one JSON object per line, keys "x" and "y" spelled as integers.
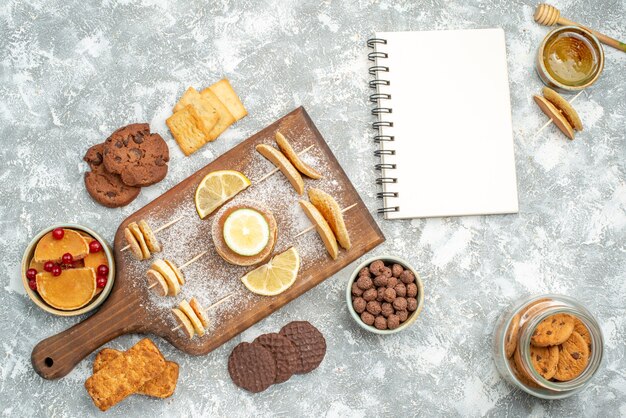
{"x": 246, "y": 232}
{"x": 217, "y": 188}
{"x": 276, "y": 276}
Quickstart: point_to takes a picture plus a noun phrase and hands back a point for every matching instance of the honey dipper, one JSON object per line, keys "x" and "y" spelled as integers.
{"x": 548, "y": 15}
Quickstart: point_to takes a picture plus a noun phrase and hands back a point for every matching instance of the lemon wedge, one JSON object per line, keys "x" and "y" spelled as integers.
{"x": 217, "y": 188}
{"x": 246, "y": 232}
{"x": 276, "y": 276}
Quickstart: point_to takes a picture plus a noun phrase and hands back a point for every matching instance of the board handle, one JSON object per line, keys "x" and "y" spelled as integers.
{"x": 56, "y": 356}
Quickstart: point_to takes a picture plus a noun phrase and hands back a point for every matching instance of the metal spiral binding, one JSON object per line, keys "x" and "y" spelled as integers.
{"x": 378, "y": 111}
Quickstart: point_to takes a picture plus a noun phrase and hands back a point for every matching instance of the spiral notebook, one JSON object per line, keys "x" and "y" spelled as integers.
{"x": 443, "y": 123}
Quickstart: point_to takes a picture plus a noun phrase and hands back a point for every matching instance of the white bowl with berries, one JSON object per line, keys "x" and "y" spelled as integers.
{"x": 68, "y": 270}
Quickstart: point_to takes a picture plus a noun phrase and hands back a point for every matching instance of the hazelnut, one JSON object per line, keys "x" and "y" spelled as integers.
{"x": 367, "y": 318}
{"x": 381, "y": 294}
{"x": 376, "y": 267}
{"x": 390, "y": 295}
{"x": 407, "y": 277}
{"x": 411, "y": 290}
{"x": 359, "y": 305}
{"x": 392, "y": 282}
{"x": 380, "y": 322}
{"x": 364, "y": 272}
{"x": 400, "y": 304}
{"x": 400, "y": 290}
{"x": 396, "y": 270}
{"x": 381, "y": 281}
{"x": 356, "y": 290}
{"x": 373, "y": 307}
{"x": 411, "y": 304}
{"x": 364, "y": 282}
{"x": 393, "y": 321}
{"x": 370, "y": 294}
{"x": 386, "y": 309}
{"x": 403, "y": 315}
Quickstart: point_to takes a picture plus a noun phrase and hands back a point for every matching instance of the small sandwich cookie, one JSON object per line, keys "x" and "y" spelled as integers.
{"x": 179, "y": 274}
{"x": 157, "y": 282}
{"x": 199, "y": 311}
{"x": 135, "y": 249}
{"x": 169, "y": 276}
{"x": 193, "y": 318}
{"x": 184, "y": 322}
{"x": 134, "y": 228}
{"x": 151, "y": 240}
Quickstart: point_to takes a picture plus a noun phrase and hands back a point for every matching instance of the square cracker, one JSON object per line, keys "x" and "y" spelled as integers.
{"x": 125, "y": 374}
{"x": 208, "y": 114}
{"x": 187, "y": 129}
{"x": 226, "y": 118}
{"x": 227, "y": 95}
{"x": 162, "y": 386}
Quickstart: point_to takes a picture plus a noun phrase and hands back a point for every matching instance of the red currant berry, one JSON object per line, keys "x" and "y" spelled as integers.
{"x": 48, "y": 266}
{"x": 94, "y": 246}
{"x": 32, "y": 284}
{"x": 58, "y": 233}
{"x": 56, "y": 270}
{"x": 67, "y": 258}
{"x": 101, "y": 281}
{"x": 103, "y": 270}
{"x": 31, "y": 274}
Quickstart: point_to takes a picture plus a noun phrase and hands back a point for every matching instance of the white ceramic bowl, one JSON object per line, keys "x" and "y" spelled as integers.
{"x": 420, "y": 295}
{"x": 34, "y": 296}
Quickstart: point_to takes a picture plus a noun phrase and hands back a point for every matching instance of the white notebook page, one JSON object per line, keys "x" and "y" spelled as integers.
{"x": 451, "y": 122}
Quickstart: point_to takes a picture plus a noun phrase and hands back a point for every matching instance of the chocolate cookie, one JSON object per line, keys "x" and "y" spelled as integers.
{"x": 580, "y": 328}
{"x": 252, "y": 367}
{"x": 285, "y": 353}
{"x": 573, "y": 358}
{"x": 309, "y": 341}
{"x": 544, "y": 360}
{"x": 104, "y": 187}
{"x": 138, "y": 156}
{"x": 553, "y": 330}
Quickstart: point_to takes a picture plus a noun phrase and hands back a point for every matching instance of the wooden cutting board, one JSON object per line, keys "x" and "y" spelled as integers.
{"x": 132, "y": 308}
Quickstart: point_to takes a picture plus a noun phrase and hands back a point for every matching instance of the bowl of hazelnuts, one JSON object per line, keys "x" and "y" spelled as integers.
{"x": 385, "y": 295}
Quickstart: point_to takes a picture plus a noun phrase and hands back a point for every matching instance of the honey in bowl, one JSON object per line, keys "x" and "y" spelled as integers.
{"x": 570, "y": 59}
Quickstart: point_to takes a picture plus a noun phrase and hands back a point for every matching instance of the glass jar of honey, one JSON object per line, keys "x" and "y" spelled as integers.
{"x": 570, "y": 59}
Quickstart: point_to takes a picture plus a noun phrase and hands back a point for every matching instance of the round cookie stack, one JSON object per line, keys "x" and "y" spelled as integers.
{"x": 271, "y": 358}
{"x": 131, "y": 158}
{"x": 384, "y": 296}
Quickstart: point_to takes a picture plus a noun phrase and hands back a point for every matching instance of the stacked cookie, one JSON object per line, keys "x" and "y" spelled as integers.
{"x": 271, "y": 358}
{"x": 191, "y": 317}
{"x": 131, "y": 158}
{"x": 559, "y": 350}
{"x": 165, "y": 278}
{"x": 139, "y": 370}
{"x": 560, "y": 111}
{"x": 141, "y": 240}
{"x": 200, "y": 117}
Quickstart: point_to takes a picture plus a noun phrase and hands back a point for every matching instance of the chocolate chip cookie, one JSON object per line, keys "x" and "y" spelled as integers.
{"x": 545, "y": 360}
{"x": 553, "y": 330}
{"x": 138, "y": 156}
{"x": 573, "y": 358}
{"x": 103, "y": 186}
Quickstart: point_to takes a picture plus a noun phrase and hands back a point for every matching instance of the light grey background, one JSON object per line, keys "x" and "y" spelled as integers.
{"x": 73, "y": 71}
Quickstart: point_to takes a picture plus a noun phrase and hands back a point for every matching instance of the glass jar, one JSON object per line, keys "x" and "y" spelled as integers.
{"x": 512, "y": 345}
